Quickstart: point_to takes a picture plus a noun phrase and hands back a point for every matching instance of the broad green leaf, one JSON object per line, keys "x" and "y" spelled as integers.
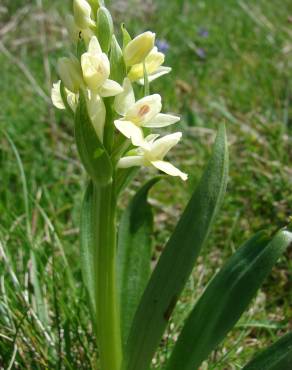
{"x": 225, "y": 299}
{"x": 92, "y": 153}
{"x": 276, "y": 357}
{"x": 177, "y": 260}
{"x": 87, "y": 244}
{"x": 134, "y": 254}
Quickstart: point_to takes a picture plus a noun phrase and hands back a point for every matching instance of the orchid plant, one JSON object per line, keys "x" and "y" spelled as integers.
{"x": 106, "y": 88}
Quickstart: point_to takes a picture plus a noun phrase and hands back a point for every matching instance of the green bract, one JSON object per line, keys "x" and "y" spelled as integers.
{"x": 116, "y": 132}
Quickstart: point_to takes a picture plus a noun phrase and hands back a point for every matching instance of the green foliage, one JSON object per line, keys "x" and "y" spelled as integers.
{"x": 87, "y": 245}
{"x": 245, "y": 71}
{"x": 134, "y": 254}
{"x": 177, "y": 260}
{"x": 92, "y": 153}
{"x": 104, "y": 28}
{"x": 277, "y": 357}
{"x": 225, "y": 298}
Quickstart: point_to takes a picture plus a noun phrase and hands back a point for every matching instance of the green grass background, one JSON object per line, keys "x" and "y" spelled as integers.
{"x": 238, "y": 72}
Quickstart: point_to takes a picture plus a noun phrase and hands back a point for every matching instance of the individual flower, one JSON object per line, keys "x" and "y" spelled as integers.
{"x": 152, "y": 153}
{"x": 203, "y": 32}
{"x": 137, "y": 49}
{"x": 95, "y": 106}
{"x": 96, "y": 70}
{"x": 70, "y": 73}
{"x": 142, "y": 113}
{"x": 162, "y": 45}
{"x": 72, "y": 99}
{"x": 153, "y": 65}
{"x": 82, "y": 14}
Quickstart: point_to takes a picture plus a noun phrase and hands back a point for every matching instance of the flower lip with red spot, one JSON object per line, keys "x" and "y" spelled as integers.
{"x": 143, "y": 113}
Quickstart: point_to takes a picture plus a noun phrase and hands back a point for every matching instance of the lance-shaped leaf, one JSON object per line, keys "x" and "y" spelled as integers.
{"x": 87, "y": 244}
{"x": 134, "y": 254}
{"x": 225, "y": 299}
{"x": 276, "y": 357}
{"x": 92, "y": 153}
{"x": 177, "y": 260}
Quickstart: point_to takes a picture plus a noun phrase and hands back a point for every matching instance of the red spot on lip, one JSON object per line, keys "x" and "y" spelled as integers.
{"x": 143, "y": 110}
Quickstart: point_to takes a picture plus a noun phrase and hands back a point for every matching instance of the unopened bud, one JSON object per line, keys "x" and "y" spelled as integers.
{"x": 118, "y": 68}
{"x": 105, "y": 28}
{"x": 137, "y": 50}
{"x": 70, "y": 73}
{"x": 94, "y": 5}
{"x": 82, "y": 14}
{"x": 73, "y": 30}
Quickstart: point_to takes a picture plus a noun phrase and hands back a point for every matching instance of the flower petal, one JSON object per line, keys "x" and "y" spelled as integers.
{"x": 94, "y": 46}
{"x": 131, "y": 131}
{"x": 95, "y": 69}
{"x": 110, "y": 88}
{"x": 154, "y": 60}
{"x": 162, "y": 120}
{"x": 97, "y": 113}
{"x": 130, "y": 161}
{"x": 161, "y": 71}
{"x": 162, "y": 146}
{"x": 137, "y": 49}
{"x": 144, "y": 109}
{"x": 72, "y": 99}
{"x": 169, "y": 169}
{"x": 126, "y": 99}
{"x": 56, "y": 95}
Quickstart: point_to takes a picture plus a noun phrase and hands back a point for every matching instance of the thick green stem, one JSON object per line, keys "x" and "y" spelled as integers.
{"x": 107, "y": 309}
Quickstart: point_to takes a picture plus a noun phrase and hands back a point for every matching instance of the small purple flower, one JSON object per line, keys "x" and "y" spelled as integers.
{"x": 203, "y": 32}
{"x": 162, "y": 46}
{"x": 201, "y": 53}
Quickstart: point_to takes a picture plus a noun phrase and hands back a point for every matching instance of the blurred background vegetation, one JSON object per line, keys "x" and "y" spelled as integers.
{"x": 231, "y": 63}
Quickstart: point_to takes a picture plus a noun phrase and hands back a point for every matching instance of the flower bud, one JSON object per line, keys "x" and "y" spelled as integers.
{"x": 73, "y": 30}
{"x": 82, "y": 14}
{"x": 118, "y": 68}
{"x": 70, "y": 73}
{"x": 137, "y": 50}
{"x": 105, "y": 28}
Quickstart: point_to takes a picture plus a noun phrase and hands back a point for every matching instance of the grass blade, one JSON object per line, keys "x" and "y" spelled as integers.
{"x": 276, "y": 357}
{"x": 225, "y": 299}
{"x": 177, "y": 260}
